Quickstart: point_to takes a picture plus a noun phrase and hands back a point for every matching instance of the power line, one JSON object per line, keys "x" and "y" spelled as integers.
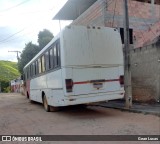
{"x": 7, "y": 39}
{"x": 30, "y": 12}
{"x": 16, "y": 38}
{"x": 10, "y": 36}
{"x": 14, "y": 6}
{"x": 3, "y": 40}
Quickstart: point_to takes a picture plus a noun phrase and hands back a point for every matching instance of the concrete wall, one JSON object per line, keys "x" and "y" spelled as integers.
{"x": 145, "y": 67}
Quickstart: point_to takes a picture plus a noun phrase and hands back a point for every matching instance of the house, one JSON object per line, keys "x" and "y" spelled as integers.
{"x": 144, "y": 19}
{"x": 16, "y": 85}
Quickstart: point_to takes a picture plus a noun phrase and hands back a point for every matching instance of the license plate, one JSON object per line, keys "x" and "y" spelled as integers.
{"x": 97, "y": 85}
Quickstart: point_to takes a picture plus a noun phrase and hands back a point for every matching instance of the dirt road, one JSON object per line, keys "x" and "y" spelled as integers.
{"x": 19, "y": 116}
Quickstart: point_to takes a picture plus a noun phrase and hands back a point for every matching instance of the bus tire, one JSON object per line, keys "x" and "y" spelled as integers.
{"x": 31, "y": 101}
{"x": 54, "y": 109}
{"x": 84, "y": 105}
{"x": 27, "y": 95}
{"x": 45, "y": 104}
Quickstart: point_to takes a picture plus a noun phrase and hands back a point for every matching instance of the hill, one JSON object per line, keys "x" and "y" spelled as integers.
{"x": 8, "y": 71}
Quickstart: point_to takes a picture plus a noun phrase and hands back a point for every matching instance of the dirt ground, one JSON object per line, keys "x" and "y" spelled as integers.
{"x": 20, "y": 117}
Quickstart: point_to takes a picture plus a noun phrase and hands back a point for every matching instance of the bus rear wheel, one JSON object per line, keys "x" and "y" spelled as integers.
{"x": 45, "y": 104}
{"x": 54, "y": 109}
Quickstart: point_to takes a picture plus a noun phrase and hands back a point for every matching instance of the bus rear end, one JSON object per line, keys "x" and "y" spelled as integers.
{"x": 92, "y": 65}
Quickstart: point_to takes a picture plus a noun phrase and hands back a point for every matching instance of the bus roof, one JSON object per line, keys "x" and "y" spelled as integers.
{"x": 55, "y": 38}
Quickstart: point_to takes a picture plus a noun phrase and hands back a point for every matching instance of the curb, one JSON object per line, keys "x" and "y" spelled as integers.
{"x": 132, "y": 110}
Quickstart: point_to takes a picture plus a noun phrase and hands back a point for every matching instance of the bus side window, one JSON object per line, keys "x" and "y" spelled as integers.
{"x": 28, "y": 72}
{"x": 51, "y": 58}
{"x": 25, "y": 74}
{"x": 58, "y": 52}
{"x": 47, "y": 60}
{"x": 39, "y": 66}
{"x": 43, "y": 64}
{"x": 55, "y": 56}
{"x": 33, "y": 69}
{"x": 36, "y": 67}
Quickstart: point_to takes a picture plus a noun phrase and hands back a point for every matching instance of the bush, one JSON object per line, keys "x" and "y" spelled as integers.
{"x": 7, "y": 90}
{"x": 5, "y": 86}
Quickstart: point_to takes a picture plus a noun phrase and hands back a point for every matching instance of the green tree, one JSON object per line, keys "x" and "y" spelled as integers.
{"x": 44, "y": 37}
{"x": 30, "y": 50}
{"x": 28, "y": 53}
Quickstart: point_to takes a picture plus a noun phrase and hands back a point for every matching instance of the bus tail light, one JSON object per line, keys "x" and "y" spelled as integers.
{"x": 121, "y": 80}
{"x": 69, "y": 85}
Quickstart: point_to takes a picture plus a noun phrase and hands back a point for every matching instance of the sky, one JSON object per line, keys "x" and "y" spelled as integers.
{"x": 21, "y": 21}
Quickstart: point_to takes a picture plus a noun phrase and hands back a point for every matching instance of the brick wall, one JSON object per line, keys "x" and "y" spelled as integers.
{"x": 145, "y": 67}
{"x": 93, "y": 16}
{"x": 149, "y": 1}
{"x": 148, "y": 36}
{"x": 143, "y": 17}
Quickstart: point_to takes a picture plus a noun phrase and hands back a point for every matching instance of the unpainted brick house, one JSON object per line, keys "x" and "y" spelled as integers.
{"x": 144, "y": 18}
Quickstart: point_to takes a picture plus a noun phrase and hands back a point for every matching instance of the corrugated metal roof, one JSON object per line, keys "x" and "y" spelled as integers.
{"x": 73, "y": 9}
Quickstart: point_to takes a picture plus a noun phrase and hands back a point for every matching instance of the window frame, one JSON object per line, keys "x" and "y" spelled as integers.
{"x": 43, "y": 63}
{"x": 39, "y": 65}
{"x": 46, "y": 62}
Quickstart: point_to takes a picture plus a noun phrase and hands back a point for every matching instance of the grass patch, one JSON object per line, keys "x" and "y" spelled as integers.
{"x": 8, "y": 72}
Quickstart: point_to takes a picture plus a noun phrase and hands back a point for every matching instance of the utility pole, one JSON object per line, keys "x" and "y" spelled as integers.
{"x": 127, "y": 59}
{"x": 17, "y": 54}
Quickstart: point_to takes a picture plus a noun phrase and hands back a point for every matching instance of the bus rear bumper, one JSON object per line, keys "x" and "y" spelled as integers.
{"x": 92, "y": 98}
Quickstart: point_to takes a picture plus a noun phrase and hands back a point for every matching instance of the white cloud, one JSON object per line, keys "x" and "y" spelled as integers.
{"x": 27, "y": 19}
{"x": 5, "y": 55}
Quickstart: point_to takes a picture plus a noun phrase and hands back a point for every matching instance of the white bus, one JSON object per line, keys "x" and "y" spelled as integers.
{"x": 81, "y": 65}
